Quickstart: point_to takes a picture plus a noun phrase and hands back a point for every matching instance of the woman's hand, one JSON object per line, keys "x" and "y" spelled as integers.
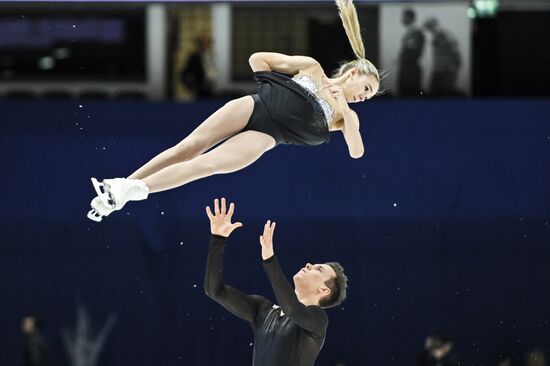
{"x": 220, "y": 221}
{"x": 337, "y": 94}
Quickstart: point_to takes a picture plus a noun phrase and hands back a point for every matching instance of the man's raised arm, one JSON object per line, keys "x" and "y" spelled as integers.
{"x": 311, "y": 318}
{"x": 242, "y": 305}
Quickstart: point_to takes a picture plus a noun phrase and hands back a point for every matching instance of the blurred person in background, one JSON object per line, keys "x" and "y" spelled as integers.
{"x": 198, "y": 73}
{"x": 292, "y": 332}
{"x": 536, "y": 357}
{"x": 34, "y": 348}
{"x": 412, "y": 45}
{"x": 438, "y": 351}
{"x": 446, "y": 60}
{"x": 505, "y": 359}
{"x": 296, "y": 103}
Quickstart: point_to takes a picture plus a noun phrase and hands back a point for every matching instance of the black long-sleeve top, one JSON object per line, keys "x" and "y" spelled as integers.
{"x": 291, "y": 337}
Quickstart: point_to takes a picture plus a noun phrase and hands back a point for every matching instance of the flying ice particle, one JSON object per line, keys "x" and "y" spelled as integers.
{"x": 181, "y": 243}
{"x": 194, "y": 285}
{"x": 80, "y": 106}
{"x": 162, "y": 212}
{"x": 395, "y": 204}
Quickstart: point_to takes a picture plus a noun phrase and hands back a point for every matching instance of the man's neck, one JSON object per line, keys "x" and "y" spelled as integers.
{"x": 307, "y": 300}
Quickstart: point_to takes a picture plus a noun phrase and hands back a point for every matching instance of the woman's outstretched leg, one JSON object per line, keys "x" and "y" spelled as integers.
{"x": 234, "y": 154}
{"x": 225, "y": 122}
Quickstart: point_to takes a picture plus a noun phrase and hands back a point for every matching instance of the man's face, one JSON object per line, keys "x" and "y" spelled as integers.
{"x": 312, "y": 277}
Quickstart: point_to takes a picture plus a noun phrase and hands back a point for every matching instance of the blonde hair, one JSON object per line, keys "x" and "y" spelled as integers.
{"x": 348, "y": 15}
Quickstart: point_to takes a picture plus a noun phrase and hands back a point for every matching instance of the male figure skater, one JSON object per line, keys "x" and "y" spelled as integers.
{"x": 291, "y": 333}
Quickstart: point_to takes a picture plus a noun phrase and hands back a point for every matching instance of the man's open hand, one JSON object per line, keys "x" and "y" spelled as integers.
{"x": 220, "y": 221}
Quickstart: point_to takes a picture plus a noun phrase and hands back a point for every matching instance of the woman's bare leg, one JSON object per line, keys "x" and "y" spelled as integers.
{"x": 225, "y": 122}
{"x": 234, "y": 154}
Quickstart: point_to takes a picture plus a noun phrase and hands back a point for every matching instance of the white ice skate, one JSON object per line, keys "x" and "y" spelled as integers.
{"x": 99, "y": 210}
{"x": 114, "y": 193}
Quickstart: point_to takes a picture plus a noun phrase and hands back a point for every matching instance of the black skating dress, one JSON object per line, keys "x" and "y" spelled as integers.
{"x": 292, "y": 338}
{"x": 288, "y": 112}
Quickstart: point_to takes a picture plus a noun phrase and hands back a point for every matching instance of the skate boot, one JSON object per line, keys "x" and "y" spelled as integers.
{"x": 119, "y": 191}
{"x": 99, "y": 210}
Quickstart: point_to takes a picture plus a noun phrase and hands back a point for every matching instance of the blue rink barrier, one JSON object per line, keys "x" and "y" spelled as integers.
{"x": 443, "y": 225}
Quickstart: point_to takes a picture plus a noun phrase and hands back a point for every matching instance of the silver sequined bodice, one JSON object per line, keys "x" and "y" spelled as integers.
{"x": 308, "y": 84}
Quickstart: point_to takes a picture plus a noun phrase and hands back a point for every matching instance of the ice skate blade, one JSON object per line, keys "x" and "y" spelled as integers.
{"x": 94, "y": 215}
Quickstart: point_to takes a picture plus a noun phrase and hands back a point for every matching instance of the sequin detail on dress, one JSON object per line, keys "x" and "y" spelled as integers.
{"x": 308, "y": 84}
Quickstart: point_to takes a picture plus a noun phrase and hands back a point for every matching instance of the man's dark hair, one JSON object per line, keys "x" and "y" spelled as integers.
{"x": 337, "y": 286}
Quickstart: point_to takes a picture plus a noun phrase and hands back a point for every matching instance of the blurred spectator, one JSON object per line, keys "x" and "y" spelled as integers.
{"x": 198, "y": 73}
{"x": 535, "y": 358}
{"x": 34, "y": 349}
{"x": 446, "y": 61}
{"x": 505, "y": 359}
{"x": 438, "y": 351}
{"x": 412, "y": 45}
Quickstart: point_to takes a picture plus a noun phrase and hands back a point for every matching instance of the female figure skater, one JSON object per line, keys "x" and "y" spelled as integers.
{"x": 296, "y": 103}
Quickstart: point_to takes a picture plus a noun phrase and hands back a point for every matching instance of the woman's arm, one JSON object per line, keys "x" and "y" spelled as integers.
{"x": 272, "y": 61}
{"x": 352, "y": 135}
{"x": 350, "y": 125}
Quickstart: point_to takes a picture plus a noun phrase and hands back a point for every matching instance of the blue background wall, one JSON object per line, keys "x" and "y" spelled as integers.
{"x": 443, "y": 225}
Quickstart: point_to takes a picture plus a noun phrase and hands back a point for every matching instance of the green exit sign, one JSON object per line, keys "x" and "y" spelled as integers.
{"x": 483, "y": 8}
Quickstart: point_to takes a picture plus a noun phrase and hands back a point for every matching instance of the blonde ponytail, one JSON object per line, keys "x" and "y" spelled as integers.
{"x": 350, "y": 21}
{"x": 348, "y": 15}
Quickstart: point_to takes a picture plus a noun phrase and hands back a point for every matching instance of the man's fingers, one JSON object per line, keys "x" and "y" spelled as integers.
{"x": 224, "y": 207}
{"x": 216, "y": 206}
{"x": 262, "y": 240}
{"x": 267, "y": 228}
{"x": 237, "y": 225}
{"x": 273, "y": 230}
{"x": 209, "y": 213}
{"x": 231, "y": 210}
